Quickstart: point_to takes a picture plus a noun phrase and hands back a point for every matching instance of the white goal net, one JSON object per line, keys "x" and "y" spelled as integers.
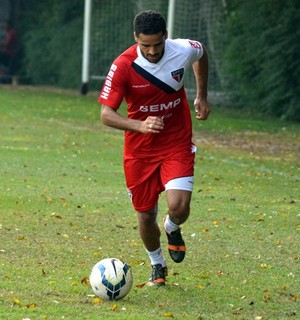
{"x": 112, "y": 31}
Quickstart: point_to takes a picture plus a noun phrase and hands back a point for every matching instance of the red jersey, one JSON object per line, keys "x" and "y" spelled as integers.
{"x": 154, "y": 89}
{"x": 11, "y": 43}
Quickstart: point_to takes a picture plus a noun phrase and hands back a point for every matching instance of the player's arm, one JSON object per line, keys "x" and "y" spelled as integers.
{"x": 200, "y": 68}
{"x": 110, "y": 117}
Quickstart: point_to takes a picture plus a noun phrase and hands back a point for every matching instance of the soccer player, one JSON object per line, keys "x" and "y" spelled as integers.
{"x": 8, "y": 49}
{"x": 158, "y": 150}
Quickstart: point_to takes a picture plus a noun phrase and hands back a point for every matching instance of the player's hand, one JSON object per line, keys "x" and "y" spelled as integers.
{"x": 152, "y": 125}
{"x": 202, "y": 109}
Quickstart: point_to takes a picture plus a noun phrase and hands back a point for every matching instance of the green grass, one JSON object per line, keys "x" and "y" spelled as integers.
{"x": 63, "y": 207}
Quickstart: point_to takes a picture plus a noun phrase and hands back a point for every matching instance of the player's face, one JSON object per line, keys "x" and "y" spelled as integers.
{"x": 152, "y": 45}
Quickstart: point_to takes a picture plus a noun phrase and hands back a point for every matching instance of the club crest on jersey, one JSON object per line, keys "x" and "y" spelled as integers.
{"x": 177, "y": 74}
{"x": 195, "y": 44}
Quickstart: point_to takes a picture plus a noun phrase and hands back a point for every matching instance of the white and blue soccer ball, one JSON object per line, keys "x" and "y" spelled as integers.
{"x": 111, "y": 279}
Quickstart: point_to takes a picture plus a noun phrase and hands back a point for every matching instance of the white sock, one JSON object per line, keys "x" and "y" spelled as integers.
{"x": 169, "y": 225}
{"x": 157, "y": 257}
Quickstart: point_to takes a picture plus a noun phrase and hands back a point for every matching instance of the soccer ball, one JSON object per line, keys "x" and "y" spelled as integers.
{"x": 111, "y": 279}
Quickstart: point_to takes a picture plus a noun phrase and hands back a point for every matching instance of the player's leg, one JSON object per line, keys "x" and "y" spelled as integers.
{"x": 178, "y": 212}
{"x": 148, "y": 229}
{"x": 177, "y": 174}
{"x": 144, "y": 186}
{"x": 150, "y": 235}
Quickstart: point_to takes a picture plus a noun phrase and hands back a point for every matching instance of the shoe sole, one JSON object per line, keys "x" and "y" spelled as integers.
{"x": 157, "y": 283}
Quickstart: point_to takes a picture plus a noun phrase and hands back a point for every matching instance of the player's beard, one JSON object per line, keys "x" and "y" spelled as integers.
{"x": 154, "y": 58}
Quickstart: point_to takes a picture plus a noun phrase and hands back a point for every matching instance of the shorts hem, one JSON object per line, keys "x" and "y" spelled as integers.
{"x": 143, "y": 209}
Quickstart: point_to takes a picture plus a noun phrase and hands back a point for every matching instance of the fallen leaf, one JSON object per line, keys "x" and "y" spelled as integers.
{"x": 85, "y": 280}
{"x": 265, "y": 266}
{"x": 141, "y": 285}
{"x": 17, "y": 302}
{"x": 261, "y": 217}
{"x": 199, "y": 286}
{"x": 114, "y": 307}
{"x": 32, "y": 305}
{"x": 168, "y": 315}
{"x": 294, "y": 297}
{"x": 97, "y": 300}
{"x": 137, "y": 263}
{"x": 56, "y": 216}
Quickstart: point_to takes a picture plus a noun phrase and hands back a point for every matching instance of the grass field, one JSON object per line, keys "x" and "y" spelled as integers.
{"x": 64, "y": 206}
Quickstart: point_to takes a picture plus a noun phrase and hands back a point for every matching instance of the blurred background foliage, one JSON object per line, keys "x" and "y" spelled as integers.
{"x": 52, "y": 42}
{"x": 258, "y": 66}
{"x": 261, "y": 61}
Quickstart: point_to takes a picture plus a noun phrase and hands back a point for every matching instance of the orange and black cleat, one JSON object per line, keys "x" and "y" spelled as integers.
{"x": 158, "y": 276}
{"x": 176, "y": 246}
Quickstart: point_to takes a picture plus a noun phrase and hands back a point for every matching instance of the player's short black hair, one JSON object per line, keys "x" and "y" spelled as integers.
{"x": 149, "y": 22}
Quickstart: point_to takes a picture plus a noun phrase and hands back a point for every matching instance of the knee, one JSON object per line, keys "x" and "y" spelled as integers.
{"x": 179, "y": 212}
{"x": 146, "y": 218}
{"x": 179, "y": 205}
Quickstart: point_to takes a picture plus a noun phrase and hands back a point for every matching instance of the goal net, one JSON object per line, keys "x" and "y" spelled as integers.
{"x": 112, "y": 32}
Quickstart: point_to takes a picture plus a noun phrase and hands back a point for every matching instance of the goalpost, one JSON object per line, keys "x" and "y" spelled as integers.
{"x": 86, "y": 46}
{"x": 108, "y": 31}
{"x": 94, "y": 29}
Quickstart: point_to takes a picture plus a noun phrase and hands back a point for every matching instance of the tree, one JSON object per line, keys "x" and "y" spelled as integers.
{"x": 53, "y": 42}
{"x": 261, "y": 60}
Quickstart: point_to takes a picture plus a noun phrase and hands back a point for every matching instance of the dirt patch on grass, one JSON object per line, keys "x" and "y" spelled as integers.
{"x": 259, "y": 143}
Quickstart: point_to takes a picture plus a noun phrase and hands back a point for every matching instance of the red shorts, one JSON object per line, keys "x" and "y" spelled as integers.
{"x": 146, "y": 177}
